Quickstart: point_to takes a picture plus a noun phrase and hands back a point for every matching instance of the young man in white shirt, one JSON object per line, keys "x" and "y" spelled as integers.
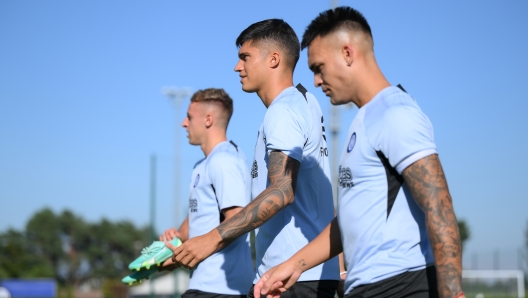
{"x": 219, "y": 188}
{"x": 291, "y": 188}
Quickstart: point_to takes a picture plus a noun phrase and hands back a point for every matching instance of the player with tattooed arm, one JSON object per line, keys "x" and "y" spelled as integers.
{"x": 395, "y": 221}
{"x": 291, "y": 188}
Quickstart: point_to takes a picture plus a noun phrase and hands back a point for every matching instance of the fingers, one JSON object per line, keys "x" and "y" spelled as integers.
{"x": 169, "y": 235}
{"x": 258, "y": 286}
{"x": 182, "y": 257}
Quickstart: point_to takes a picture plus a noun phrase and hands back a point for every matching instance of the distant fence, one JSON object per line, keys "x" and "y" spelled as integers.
{"x": 495, "y": 259}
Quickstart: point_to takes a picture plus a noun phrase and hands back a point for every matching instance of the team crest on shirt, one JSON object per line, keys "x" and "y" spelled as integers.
{"x": 254, "y": 170}
{"x": 193, "y": 205}
{"x": 351, "y": 143}
{"x": 197, "y": 180}
{"x": 345, "y": 177}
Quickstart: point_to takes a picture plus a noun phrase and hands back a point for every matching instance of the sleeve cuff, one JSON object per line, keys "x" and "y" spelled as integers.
{"x": 413, "y": 158}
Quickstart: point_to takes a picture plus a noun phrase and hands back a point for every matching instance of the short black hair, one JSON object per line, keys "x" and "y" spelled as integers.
{"x": 274, "y": 30}
{"x": 332, "y": 20}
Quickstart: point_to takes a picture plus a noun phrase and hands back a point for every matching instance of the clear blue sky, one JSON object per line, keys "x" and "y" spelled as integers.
{"x": 81, "y": 109}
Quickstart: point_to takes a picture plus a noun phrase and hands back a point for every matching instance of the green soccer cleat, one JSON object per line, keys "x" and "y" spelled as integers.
{"x": 139, "y": 276}
{"x": 155, "y": 254}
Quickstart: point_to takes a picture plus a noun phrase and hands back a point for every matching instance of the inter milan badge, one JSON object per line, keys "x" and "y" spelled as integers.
{"x": 196, "y": 181}
{"x": 352, "y": 142}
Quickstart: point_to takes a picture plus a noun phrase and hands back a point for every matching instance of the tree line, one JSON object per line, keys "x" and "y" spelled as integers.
{"x": 70, "y": 250}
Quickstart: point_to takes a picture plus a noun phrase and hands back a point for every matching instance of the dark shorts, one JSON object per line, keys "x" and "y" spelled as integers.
{"x": 308, "y": 289}
{"x": 200, "y": 294}
{"x": 415, "y": 284}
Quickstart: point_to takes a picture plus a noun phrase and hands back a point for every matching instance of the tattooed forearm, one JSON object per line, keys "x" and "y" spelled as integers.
{"x": 282, "y": 175}
{"x": 426, "y": 181}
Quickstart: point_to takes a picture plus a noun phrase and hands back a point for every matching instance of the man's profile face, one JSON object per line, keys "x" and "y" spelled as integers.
{"x": 194, "y": 123}
{"x": 326, "y": 63}
{"x": 250, "y": 67}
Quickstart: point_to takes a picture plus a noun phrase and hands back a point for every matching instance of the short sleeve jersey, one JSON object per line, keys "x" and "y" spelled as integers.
{"x": 293, "y": 125}
{"x": 383, "y": 230}
{"x": 220, "y": 181}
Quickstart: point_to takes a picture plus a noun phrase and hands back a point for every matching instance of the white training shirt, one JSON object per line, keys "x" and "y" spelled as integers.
{"x": 294, "y": 125}
{"x": 382, "y": 228}
{"x": 219, "y": 181}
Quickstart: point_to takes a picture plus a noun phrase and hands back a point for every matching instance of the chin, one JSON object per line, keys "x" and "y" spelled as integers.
{"x": 248, "y": 89}
{"x": 338, "y": 101}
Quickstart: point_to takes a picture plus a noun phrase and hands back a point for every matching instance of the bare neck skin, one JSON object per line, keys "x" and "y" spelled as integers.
{"x": 214, "y": 137}
{"x": 278, "y": 81}
{"x": 370, "y": 81}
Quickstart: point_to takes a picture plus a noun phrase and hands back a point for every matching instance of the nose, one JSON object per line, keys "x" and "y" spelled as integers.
{"x": 317, "y": 80}
{"x": 185, "y": 122}
{"x": 238, "y": 66}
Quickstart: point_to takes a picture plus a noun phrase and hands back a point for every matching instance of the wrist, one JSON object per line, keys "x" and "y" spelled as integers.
{"x": 298, "y": 264}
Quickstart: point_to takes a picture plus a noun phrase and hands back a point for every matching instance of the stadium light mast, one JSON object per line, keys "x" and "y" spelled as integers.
{"x": 176, "y": 95}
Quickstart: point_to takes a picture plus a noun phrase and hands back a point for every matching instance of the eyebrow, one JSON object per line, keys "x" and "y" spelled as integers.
{"x": 314, "y": 66}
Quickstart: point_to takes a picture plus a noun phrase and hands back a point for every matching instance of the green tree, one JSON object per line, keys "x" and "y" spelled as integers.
{"x": 69, "y": 249}
{"x": 464, "y": 231}
{"x": 44, "y": 241}
{"x": 113, "y": 246}
{"x": 16, "y": 261}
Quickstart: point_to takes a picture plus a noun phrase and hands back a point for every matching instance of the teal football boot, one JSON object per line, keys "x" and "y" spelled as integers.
{"x": 155, "y": 254}
{"x": 139, "y": 276}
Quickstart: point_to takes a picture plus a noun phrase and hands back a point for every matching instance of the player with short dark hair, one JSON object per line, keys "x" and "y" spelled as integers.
{"x": 264, "y": 33}
{"x": 291, "y": 189}
{"x": 395, "y": 222}
{"x": 219, "y": 188}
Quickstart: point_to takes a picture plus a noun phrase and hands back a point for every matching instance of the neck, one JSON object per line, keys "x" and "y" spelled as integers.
{"x": 275, "y": 85}
{"x": 214, "y": 137}
{"x": 369, "y": 83}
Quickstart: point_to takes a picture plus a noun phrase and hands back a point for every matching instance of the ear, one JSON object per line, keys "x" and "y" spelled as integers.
{"x": 274, "y": 59}
{"x": 209, "y": 120}
{"x": 348, "y": 54}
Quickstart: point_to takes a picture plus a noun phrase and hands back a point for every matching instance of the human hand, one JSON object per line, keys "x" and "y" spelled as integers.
{"x": 195, "y": 250}
{"x": 277, "y": 280}
{"x": 170, "y": 234}
{"x": 169, "y": 265}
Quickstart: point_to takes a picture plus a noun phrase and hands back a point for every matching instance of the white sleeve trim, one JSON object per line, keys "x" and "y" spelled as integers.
{"x": 413, "y": 158}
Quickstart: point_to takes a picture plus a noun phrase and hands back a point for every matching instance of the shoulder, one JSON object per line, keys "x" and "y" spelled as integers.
{"x": 225, "y": 159}
{"x": 291, "y": 104}
{"x": 393, "y": 109}
{"x": 198, "y": 163}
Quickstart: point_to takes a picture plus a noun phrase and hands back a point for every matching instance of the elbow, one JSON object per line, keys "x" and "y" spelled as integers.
{"x": 290, "y": 200}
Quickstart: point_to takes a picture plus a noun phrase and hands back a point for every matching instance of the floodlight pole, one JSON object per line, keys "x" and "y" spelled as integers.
{"x": 152, "y": 210}
{"x": 176, "y": 96}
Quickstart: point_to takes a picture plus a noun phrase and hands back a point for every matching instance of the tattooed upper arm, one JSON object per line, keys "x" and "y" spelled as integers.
{"x": 427, "y": 183}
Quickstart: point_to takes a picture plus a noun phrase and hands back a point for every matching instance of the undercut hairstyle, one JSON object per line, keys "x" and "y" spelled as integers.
{"x": 332, "y": 20}
{"x": 275, "y": 31}
{"x": 217, "y": 97}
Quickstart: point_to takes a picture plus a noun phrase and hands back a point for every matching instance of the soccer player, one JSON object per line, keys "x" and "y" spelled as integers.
{"x": 220, "y": 187}
{"x": 395, "y": 222}
{"x": 291, "y": 188}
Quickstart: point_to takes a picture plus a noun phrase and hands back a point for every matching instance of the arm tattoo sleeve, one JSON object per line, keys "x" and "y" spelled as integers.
{"x": 282, "y": 175}
{"x": 426, "y": 181}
